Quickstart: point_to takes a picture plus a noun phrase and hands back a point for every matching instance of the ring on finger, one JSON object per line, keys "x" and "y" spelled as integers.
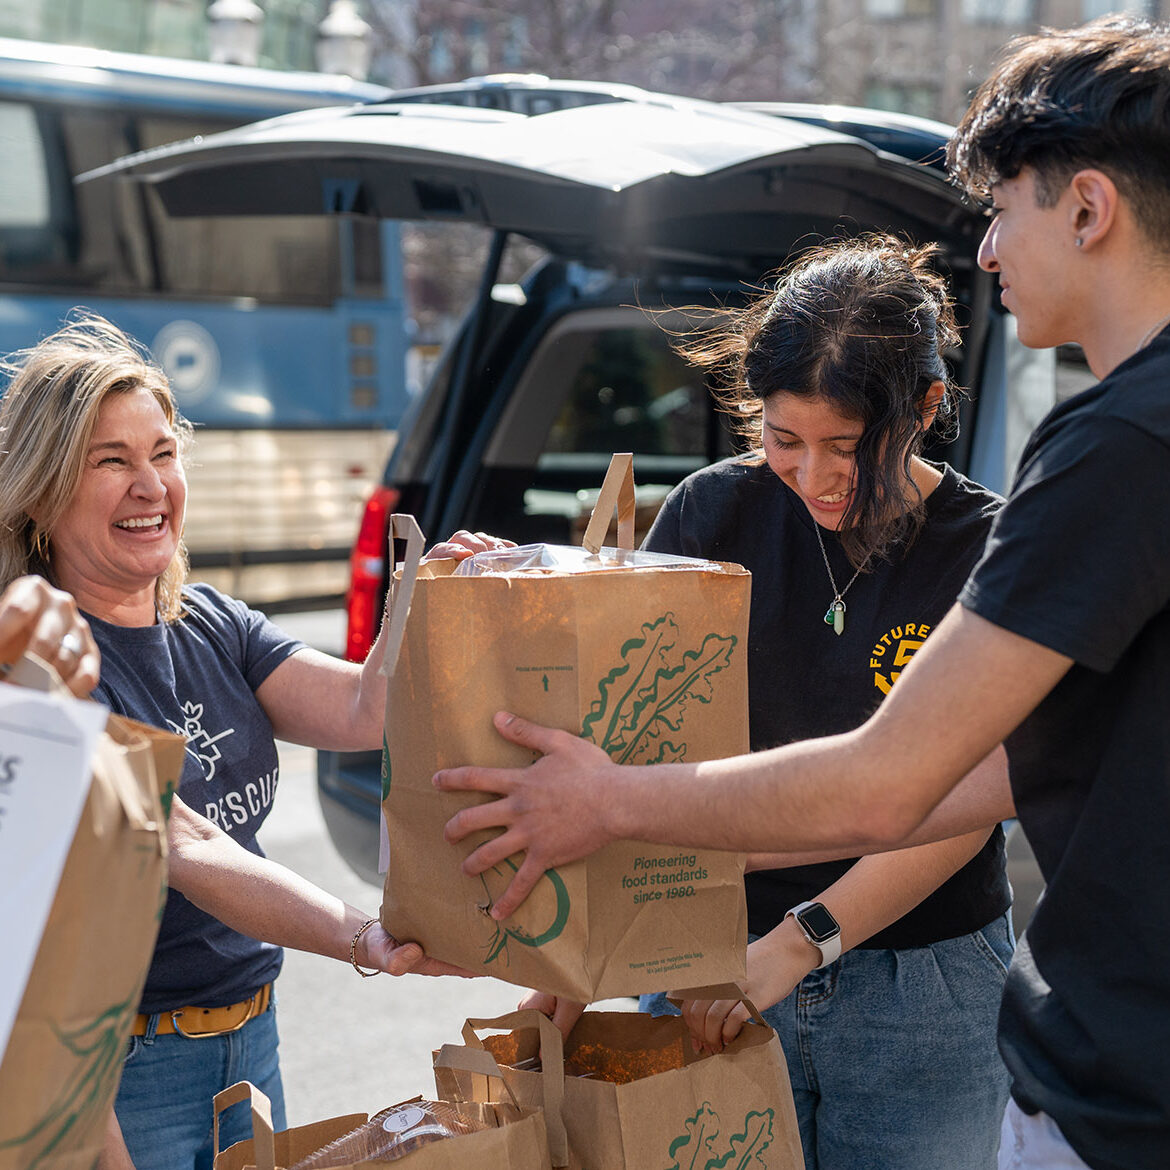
{"x": 71, "y": 645}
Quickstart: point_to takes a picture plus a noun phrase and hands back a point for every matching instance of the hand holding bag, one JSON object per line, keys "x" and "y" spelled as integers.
{"x": 648, "y": 661}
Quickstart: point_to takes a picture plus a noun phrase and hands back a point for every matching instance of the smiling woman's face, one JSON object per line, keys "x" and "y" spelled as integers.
{"x": 122, "y": 528}
{"x": 810, "y": 446}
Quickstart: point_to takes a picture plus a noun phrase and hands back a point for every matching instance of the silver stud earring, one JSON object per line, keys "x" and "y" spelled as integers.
{"x": 1080, "y": 243}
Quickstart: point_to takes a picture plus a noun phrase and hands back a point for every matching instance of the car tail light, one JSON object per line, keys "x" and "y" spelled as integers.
{"x": 367, "y": 573}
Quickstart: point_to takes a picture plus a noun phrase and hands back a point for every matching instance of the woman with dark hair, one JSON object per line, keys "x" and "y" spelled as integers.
{"x": 883, "y": 975}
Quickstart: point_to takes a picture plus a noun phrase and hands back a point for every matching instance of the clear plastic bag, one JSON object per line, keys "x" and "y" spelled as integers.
{"x": 565, "y": 558}
{"x": 392, "y": 1134}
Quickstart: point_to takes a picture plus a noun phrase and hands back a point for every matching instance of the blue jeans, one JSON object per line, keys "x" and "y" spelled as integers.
{"x": 892, "y": 1055}
{"x": 164, "y": 1101}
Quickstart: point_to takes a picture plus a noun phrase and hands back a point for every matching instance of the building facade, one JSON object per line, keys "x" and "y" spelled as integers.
{"x": 921, "y": 57}
{"x": 168, "y": 28}
{"x": 918, "y": 56}
{"x": 926, "y": 56}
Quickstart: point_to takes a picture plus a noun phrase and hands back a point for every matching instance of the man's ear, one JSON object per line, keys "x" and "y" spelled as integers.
{"x": 1094, "y": 201}
{"x": 931, "y": 401}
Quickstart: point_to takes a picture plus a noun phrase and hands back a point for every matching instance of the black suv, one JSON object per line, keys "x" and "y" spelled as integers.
{"x": 641, "y": 205}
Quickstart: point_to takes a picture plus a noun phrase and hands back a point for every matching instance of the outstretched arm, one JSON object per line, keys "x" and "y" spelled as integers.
{"x": 868, "y": 790}
{"x": 563, "y": 1012}
{"x": 267, "y": 901}
{"x": 981, "y": 799}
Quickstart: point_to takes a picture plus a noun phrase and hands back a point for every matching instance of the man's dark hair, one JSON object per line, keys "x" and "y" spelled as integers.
{"x": 1060, "y": 101}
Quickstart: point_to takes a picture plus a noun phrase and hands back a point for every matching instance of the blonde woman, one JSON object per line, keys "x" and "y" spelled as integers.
{"x": 92, "y": 498}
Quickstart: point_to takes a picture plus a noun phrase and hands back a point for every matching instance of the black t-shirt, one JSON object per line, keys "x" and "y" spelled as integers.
{"x": 1079, "y": 561}
{"x": 196, "y": 676}
{"x": 805, "y": 681}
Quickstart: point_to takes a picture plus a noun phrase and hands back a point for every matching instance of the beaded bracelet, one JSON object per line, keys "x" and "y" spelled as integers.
{"x": 353, "y": 949}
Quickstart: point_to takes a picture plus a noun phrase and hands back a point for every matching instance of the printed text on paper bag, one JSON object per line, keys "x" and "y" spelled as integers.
{"x": 655, "y": 878}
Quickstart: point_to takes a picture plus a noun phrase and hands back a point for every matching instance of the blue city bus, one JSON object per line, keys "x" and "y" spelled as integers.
{"x": 284, "y": 338}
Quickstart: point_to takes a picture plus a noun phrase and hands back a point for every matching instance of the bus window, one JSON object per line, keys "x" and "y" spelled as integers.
{"x": 24, "y": 194}
{"x": 113, "y": 249}
{"x": 34, "y": 225}
{"x": 368, "y": 279}
{"x": 272, "y": 259}
{"x": 276, "y": 260}
{"x": 284, "y": 339}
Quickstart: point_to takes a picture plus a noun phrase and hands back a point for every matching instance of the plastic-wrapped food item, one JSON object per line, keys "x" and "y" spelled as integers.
{"x": 567, "y": 558}
{"x": 393, "y": 1133}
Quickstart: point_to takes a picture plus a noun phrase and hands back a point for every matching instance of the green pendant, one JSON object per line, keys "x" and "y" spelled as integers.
{"x": 835, "y": 617}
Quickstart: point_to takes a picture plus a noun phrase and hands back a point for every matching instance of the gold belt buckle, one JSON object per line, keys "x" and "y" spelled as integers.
{"x": 249, "y": 1015}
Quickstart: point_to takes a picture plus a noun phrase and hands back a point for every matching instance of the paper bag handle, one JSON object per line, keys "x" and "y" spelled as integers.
{"x": 552, "y": 1064}
{"x": 718, "y": 991}
{"x": 617, "y": 489}
{"x": 263, "y": 1145}
{"x": 402, "y": 527}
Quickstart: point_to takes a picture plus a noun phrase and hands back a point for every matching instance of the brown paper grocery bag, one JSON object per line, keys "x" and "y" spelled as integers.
{"x": 513, "y": 1140}
{"x": 635, "y": 1095}
{"x": 470, "y": 1073}
{"x": 63, "y": 1062}
{"x": 647, "y": 662}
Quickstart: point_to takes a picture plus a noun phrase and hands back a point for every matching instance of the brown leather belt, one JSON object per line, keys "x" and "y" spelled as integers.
{"x": 197, "y": 1022}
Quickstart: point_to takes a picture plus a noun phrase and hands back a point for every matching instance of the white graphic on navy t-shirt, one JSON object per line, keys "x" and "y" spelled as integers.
{"x": 199, "y": 743}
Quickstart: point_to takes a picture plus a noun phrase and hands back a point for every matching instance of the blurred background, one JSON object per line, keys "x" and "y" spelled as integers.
{"x": 297, "y": 346}
{"x": 916, "y": 56}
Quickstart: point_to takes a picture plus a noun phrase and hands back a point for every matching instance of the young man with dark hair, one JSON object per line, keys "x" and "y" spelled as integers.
{"x": 1059, "y": 646}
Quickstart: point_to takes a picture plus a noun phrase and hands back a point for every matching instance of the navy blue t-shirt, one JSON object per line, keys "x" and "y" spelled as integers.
{"x": 197, "y": 676}
{"x": 1079, "y": 561}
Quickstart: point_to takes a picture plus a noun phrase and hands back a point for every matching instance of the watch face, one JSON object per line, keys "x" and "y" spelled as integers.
{"x": 819, "y": 923}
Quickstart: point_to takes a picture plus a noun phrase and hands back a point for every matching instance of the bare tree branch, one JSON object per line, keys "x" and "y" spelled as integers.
{"x": 738, "y": 49}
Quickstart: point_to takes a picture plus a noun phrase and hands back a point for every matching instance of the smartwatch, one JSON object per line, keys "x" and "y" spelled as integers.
{"x": 820, "y": 928}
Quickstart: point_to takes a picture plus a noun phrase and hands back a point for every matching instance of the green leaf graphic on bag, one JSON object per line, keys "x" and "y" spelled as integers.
{"x": 503, "y": 934}
{"x": 167, "y": 798}
{"x": 693, "y": 1150}
{"x": 102, "y": 1048}
{"x": 747, "y": 1147}
{"x": 639, "y": 714}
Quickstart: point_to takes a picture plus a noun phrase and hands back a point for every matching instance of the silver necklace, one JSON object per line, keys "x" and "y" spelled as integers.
{"x": 835, "y": 614}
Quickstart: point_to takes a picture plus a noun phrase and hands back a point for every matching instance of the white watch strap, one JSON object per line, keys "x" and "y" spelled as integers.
{"x": 830, "y": 949}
